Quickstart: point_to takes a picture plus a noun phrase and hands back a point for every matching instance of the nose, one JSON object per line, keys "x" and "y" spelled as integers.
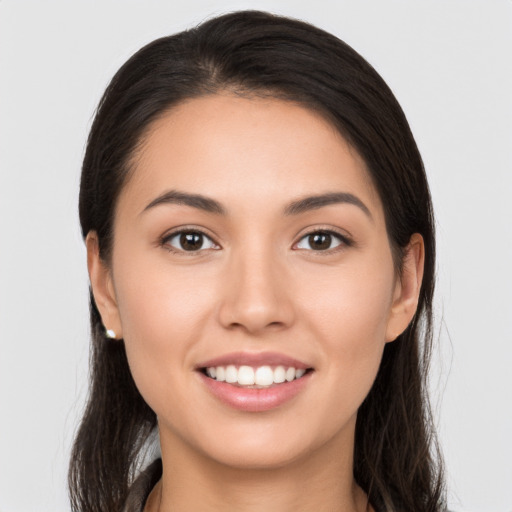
{"x": 256, "y": 296}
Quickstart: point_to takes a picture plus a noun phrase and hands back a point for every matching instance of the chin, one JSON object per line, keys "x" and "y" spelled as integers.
{"x": 270, "y": 446}
{"x": 258, "y": 457}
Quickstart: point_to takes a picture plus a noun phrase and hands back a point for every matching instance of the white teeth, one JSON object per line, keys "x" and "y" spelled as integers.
{"x": 263, "y": 376}
{"x": 245, "y": 376}
{"x": 221, "y": 374}
{"x": 279, "y": 375}
{"x": 231, "y": 374}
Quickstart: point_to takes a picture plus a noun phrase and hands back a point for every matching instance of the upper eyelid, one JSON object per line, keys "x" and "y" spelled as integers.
{"x": 188, "y": 229}
{"x": 324, "y": 229}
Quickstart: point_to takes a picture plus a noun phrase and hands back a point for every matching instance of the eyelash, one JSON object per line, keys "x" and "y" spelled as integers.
{"x": 343, "y": 240}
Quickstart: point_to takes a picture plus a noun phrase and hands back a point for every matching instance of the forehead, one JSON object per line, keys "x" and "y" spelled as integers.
{"x": 246, "y": 150}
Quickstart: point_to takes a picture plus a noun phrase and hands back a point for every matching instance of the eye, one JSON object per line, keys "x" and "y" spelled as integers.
{"x": 321, "y": 241}
{"x": 189, "y": 241}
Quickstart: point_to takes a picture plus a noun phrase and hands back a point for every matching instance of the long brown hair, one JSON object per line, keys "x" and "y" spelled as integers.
{"x": 396, "y": 459}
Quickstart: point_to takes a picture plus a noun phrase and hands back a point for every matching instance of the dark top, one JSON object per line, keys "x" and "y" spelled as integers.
{"x": 142, "y": 487}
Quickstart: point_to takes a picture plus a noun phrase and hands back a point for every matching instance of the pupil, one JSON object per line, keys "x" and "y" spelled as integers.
{"x": 320, "y": 241}
{"x": 191, "y": 241}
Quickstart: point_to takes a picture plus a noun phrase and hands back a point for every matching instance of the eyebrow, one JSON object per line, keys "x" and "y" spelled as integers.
{"x": 297, "y": 207}
{"x": 319, "y": 201}
{"x": 194, "y": 200}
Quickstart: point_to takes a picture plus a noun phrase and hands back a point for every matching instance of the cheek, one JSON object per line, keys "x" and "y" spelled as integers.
{"x": 348, "y": 316}
{"x": 154, "y": 309}
{"x": 162, "y": 313}
{"x": 351, "y": 308}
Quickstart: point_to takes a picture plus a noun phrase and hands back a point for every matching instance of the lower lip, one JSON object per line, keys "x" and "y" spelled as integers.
{"x": 255, "y": 400}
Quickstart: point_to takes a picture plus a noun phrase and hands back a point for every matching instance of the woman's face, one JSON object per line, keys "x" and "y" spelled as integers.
{"x": 250, "y": 239}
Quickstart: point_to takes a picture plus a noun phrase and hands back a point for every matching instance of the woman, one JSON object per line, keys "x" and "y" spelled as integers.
{"x": 260, "y": 246}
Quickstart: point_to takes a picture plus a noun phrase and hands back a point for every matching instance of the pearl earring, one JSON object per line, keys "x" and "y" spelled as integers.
{"x": 110, "y": 334}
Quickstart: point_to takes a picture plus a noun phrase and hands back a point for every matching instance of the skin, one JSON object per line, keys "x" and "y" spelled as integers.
{"x": 258, "y": 286}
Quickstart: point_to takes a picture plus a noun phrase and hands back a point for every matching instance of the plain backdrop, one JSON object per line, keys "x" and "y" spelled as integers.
{"x": 449, "y": 63}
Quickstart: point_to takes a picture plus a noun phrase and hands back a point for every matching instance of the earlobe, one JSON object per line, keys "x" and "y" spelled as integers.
{"x": 102, "y": 287}
{"x": 407, "y": 289}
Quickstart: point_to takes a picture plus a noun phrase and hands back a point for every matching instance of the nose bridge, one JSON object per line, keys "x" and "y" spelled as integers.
{"x": 255, "y": 297}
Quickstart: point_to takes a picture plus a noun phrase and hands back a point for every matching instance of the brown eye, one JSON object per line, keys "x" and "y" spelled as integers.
{"x": 190, "y": 241}
{"x": 320, "y": 241}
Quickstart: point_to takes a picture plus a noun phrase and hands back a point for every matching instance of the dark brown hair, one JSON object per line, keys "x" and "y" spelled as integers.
{"x": 396, "y": 460}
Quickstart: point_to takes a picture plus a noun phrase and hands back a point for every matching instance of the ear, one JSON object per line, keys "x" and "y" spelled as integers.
{"x": 407, "y": 288}
{"x": 102, "y": 286}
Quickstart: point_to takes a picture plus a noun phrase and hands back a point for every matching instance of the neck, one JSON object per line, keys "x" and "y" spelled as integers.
{"x": 322, "y": 482}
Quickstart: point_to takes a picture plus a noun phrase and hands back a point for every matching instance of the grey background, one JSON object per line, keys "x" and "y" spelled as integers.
{"x": 449, "y": 63}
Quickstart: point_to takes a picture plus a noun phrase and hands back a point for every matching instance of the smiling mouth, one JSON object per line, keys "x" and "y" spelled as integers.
{"x": 260, "y": 377}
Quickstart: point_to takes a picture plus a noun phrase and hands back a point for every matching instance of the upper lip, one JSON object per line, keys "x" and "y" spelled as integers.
{"x": 254, "y": 359}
